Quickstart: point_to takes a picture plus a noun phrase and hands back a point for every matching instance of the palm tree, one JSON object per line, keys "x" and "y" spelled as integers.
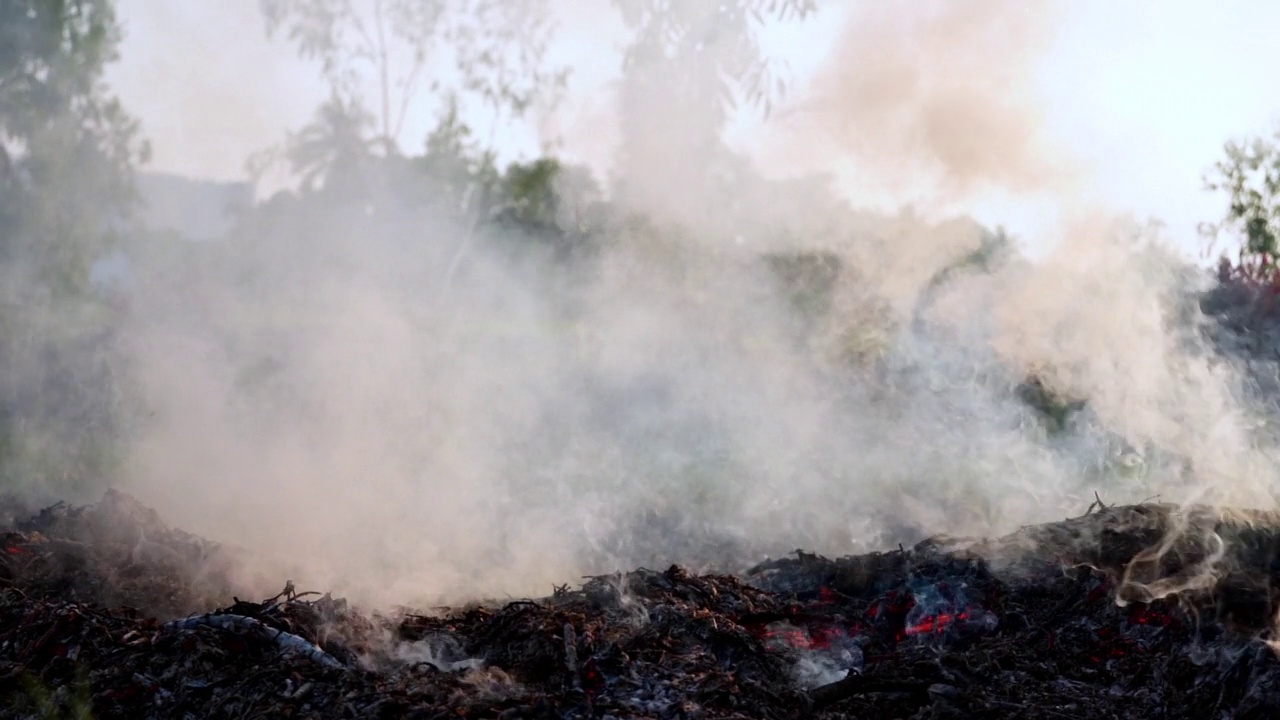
{"x": 334, "y": 144}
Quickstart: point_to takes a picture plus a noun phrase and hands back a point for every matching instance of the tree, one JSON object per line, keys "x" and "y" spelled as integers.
{"x": 66, "y": 145}
{"x": 689, "y": 66}
{"x": 497, "y": 48}
{"x": 1249, "y": 175}
{"x": 333, "y": 143}
{"x": 67, "y": 148}
{"x": 715, "y": 42}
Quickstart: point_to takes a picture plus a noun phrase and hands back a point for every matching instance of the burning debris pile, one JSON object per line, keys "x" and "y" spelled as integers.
{"x": 1133, "y": 612}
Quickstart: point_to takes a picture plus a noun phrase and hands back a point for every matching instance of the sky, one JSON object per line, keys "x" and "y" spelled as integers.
{"x": 1143, "y": 93}
{"x": 1148, "y": 92}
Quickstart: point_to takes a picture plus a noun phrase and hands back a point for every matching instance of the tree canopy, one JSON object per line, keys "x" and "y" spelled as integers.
{"x": 1249, "y": 176}
{"x": 67, "y": 149}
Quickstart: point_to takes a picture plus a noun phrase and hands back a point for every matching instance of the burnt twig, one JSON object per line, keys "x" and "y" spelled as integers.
{"x": 832, "y": 693}
{"x": 1097, "y": 503}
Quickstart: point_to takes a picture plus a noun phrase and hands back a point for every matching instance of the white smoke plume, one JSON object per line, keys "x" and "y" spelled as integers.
{"x": 321, "y": 394}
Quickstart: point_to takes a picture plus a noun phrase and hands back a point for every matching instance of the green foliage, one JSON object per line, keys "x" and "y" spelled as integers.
{"x": 66, "y": 153}
{"x": 66, "y": 702}
{"x": 993, "y": 248}
{"x": 51, "y": 56}
{"x": 373, "y": 56}
{"x": 547, "y": 209}
{"x": 65, "y": 144}
{"x": 1053, "y": 409}
{"x": 334, "y": 144}
{"x": 1249, "y": 175}
{"x": 545, "y": 193}
{"x": 808, "y": 280}
{"x": 530, "y": 192}
{"x": 462, "y": 173}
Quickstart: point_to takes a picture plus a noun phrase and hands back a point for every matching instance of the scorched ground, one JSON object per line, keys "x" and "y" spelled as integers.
{"x": 1135, "y": 612}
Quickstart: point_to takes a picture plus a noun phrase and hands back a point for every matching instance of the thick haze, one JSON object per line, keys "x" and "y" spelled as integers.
{"x": 1142, "y": 94}
{"x": 419, "y": 439}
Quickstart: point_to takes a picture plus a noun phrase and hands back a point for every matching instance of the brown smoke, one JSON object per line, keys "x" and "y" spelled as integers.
{"x": 937, "y": 88}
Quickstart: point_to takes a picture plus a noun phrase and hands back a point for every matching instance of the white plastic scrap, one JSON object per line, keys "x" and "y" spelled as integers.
{"x": 242, "y": 625}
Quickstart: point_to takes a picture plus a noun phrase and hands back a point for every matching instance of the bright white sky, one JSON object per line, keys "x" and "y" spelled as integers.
{"x": 1143, "y": 91}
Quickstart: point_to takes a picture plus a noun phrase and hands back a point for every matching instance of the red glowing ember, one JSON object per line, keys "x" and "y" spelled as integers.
{"x": 894, "y": 617}
{"x": 1144, "y": 615}
{"x": 816, "y": 639}
{"x": 935, "y": 624}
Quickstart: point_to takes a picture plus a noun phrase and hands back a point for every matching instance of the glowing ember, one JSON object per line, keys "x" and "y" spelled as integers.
{"x": 1145, "y": 615}
{"x": 935, "y": 624}
{"x": 793, "y": 637}
{"x": 820, "y": 638}
{"x": 927, "y": 610}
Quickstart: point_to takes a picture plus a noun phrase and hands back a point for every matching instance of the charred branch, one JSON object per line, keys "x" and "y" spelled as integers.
{"x": 1125, "y": 612}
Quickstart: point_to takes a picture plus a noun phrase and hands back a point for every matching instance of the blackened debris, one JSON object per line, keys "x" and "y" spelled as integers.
{"x": 1067, "y": 620}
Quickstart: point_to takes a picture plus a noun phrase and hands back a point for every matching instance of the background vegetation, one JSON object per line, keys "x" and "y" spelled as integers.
{"x": 69, "y": 151}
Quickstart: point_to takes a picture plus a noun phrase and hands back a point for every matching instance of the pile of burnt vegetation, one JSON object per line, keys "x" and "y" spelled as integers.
{"x": 1130, "y": 612}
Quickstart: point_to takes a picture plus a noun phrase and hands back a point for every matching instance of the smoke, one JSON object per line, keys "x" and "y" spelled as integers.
{"x": 940, "y": 96}
{"x": 330, "y": 390}
{"x": 166, "y": 78}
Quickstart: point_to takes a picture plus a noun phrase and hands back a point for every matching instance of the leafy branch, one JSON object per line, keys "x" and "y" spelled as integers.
{"x": 1249, "y": 175}
{"x": 723, "y": 36}
{"x": 497, "y": 48}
